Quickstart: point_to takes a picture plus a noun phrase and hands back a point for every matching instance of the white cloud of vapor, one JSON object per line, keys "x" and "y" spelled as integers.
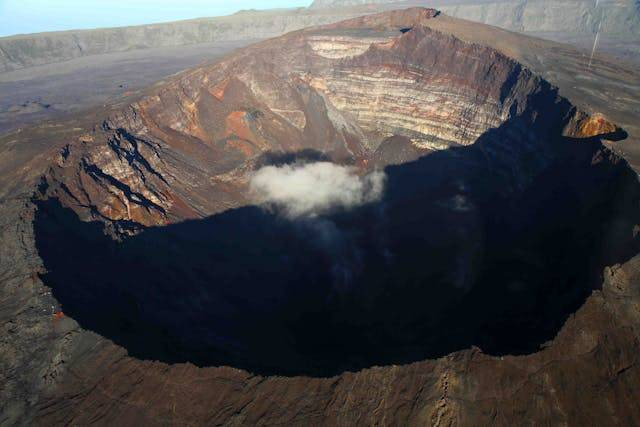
{"x": 312, "y": 189}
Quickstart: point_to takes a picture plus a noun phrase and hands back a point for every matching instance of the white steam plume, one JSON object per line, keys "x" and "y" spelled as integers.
{"x": 313, "y": 189}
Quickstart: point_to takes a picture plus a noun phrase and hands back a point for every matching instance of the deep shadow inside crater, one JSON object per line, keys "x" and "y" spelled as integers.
{"x": 492, "y": 245}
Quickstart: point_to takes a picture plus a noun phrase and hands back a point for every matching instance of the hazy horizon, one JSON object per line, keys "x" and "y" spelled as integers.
{"x": 37, "y": 16}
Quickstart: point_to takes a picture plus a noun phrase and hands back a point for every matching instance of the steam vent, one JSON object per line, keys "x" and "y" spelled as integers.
{"x": 395, "y": 219}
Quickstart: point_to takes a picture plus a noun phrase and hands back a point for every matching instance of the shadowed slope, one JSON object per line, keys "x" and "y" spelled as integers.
{"x": 492, "y": 245}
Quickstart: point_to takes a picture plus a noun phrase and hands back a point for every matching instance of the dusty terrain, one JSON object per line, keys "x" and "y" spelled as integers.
{"x": 54, "y": 90}
{"x": 474, "y": 130}
{"x": 23, "y": 51}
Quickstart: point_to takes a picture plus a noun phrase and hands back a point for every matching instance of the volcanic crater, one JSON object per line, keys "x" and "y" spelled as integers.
{"x": 500, "y": 211}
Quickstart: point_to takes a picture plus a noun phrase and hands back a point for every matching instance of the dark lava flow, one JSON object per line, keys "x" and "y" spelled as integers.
{"x": 492, "y": 245}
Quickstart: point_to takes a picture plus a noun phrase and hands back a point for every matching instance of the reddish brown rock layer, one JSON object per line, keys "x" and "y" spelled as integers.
{"x": 586, "y": 126}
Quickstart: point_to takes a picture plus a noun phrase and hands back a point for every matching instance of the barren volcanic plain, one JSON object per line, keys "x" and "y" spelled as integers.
{"x": 494, "y": 278}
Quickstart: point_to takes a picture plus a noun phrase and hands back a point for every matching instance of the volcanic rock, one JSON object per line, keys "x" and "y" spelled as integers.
{"x": 495, "y": 280}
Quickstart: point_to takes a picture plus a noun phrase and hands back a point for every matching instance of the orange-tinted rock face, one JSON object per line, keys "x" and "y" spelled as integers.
{"x": 585, "y": 126}
{"x": 372, "y": 92}
{"x": 595, "y": 125}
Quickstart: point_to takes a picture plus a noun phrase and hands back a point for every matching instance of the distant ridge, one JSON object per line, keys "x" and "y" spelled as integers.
{"x": 573, "y": 21}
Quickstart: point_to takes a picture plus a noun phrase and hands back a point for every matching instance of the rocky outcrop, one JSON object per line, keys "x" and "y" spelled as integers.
{"x": 585, "y": 126}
